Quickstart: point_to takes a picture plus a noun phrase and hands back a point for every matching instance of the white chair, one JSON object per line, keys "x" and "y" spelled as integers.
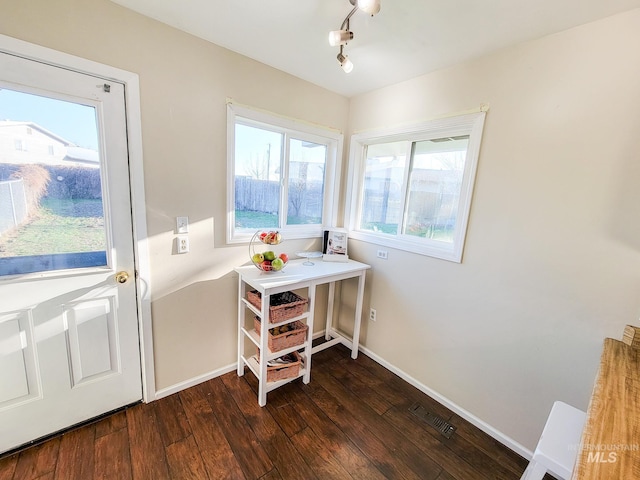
{"x": 558, "y": 445}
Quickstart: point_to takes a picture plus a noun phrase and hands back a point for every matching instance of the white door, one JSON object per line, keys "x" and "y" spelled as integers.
{"x": 69, "y": 343}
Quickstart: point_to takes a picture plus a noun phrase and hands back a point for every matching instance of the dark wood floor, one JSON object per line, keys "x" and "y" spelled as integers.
{"x": 351, "y": 421}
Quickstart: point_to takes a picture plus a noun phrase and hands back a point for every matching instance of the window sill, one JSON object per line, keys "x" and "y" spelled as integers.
{"x": 420, "y": 246}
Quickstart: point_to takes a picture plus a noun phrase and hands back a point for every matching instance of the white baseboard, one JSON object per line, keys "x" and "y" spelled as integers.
{"x": 192, "y": 382}
{"x": 486, "y": 428}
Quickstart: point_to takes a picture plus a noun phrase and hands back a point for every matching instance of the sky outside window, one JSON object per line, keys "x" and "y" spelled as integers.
{"x": 71, "y": 121}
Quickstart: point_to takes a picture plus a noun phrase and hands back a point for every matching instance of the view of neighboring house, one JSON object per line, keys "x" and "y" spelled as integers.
{"x": 28, "y": 142}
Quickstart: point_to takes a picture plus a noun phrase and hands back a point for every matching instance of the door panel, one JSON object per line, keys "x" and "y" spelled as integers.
{"x": 17, "y": 364}
{"x": 92, "y": 343}
{"x": 69, "y": 345}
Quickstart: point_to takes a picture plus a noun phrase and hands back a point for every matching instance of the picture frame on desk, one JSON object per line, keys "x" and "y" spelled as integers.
{"x": 335, "y": 245}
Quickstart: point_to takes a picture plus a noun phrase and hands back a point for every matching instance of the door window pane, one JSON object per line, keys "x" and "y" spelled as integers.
{"x": 306, "y": 182}
{"x": 382, "y": 195}
{"x": 51, "y": 211}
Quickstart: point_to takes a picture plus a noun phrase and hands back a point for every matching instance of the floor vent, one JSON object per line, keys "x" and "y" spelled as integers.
{"x": 439, "y": 423}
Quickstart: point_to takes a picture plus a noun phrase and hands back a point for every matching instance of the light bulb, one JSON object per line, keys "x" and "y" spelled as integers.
{"x": 339, "y": 37}
{"x": 345, "y": 63}
{"x": 347, "y": 66}
{"x": 369, "y": 6}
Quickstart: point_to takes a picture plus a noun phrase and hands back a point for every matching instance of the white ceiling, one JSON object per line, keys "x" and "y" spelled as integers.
{"x": 406, "y": 39}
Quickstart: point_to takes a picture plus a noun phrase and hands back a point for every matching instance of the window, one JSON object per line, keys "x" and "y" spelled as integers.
{"x": 411, "y": 187}
{"x": 20, "y": 145}
{"x": 282, "y": 175}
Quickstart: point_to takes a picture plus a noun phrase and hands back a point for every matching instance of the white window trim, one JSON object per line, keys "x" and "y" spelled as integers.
{"x": 334, "y": 140}
{"x": 470, "y": 124}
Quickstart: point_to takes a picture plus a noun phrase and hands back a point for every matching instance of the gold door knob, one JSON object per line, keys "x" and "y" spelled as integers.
{"x": 122, "y": 277}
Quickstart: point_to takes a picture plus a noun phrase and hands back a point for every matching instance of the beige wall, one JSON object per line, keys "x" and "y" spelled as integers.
{"x": 184, "y": 84}
{"x": 552, "y": 257}
{"x": 551, "y": 264}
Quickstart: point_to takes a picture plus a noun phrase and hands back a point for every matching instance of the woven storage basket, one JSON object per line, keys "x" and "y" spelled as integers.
{"x": 286, "y": 370}
{"x": 283, "y": 306}
{"x": 292, "y": 338}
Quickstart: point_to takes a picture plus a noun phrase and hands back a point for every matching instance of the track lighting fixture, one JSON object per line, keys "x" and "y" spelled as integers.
{"x": 369, "y": 6}
{"x": 342, "y": 36}
{"x": 339, "y": 37}
{"x": 344, "y": 62}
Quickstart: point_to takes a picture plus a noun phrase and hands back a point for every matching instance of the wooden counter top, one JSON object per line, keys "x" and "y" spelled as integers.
{"x": 610, "y": 445}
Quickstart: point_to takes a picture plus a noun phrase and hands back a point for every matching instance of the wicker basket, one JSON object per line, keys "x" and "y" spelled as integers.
{"x": 286, "y": 370}
{"x": 282, "y": 306}
{"x": 292, "y": 338}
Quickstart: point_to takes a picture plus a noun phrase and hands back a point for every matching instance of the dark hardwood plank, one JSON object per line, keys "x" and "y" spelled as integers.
{"x": 277, "y": 445}
{"x": 8, "y": 467}
{"x": 404, "y": 452}
{"x": 379, "y": 452}
{"x": 112, "y": 455}
{"x": 148, "y": 459}
{"x": 388, "y": 384}
{"x": 272, "y": 475}
{"x": 489, "y": 445}
{"x": 218, "y": 457}
{"x": 474, "y": 460}
{"x": 334, "y": 440}
{"x": 37, "y": 461}
{"x": 185, "y": 461}
{"x": 284, "y": 411}
{"x": 253, "y": 460}
{"x": 320, "y": 460}
{"x": 46, "y": 476}
{"x": 433, "y": 447}
{"x": 342, "y": 372}
{"x": 445, "y": 476}
{"x": 172, "y": 421}
{"x": 76, "y": 454}
{"x": 368, "y": 378}
{"x": 111, "y": 424}
{"x": 479, "y": 460}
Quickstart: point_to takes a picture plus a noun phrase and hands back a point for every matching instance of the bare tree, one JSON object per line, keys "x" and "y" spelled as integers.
{"x": 257, "y": 167}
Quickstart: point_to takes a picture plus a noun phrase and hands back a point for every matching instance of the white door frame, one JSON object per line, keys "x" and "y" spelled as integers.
{"x": 131, "y": 82}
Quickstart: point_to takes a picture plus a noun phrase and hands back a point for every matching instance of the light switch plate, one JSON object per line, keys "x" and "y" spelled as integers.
{"x": 182, "y": 224}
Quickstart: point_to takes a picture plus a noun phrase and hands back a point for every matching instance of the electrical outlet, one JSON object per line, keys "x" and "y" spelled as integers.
{"x": 372, "y": 314}
{"x": 183, "y": 244}
{"x": 382, "y": 254}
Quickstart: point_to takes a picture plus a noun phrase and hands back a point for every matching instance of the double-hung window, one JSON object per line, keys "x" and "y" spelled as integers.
{"x": 282, "y": 175}
{"x": 411, "y": 187}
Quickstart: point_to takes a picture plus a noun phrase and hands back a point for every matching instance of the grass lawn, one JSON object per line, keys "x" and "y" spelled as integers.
{"x": 59, "y": 226}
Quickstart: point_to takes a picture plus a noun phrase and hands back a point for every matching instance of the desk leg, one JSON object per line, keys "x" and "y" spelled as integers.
{"x": 264, "y": 328}
{"x": 241, "y": 318}
{"x": 358, "y": 316}
{"x": 329, "y": 325}
{"x": 309, "y": 347}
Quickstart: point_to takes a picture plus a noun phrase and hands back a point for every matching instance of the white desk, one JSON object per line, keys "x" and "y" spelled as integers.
{"x": 294, "y": 276}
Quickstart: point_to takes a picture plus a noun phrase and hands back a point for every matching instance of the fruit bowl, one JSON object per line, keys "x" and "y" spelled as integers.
{"x": 267, "y": 260}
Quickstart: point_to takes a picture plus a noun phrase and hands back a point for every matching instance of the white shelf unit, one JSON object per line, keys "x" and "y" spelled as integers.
{"x": 296, "y": 276}
{"x": 261, "y": 340}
